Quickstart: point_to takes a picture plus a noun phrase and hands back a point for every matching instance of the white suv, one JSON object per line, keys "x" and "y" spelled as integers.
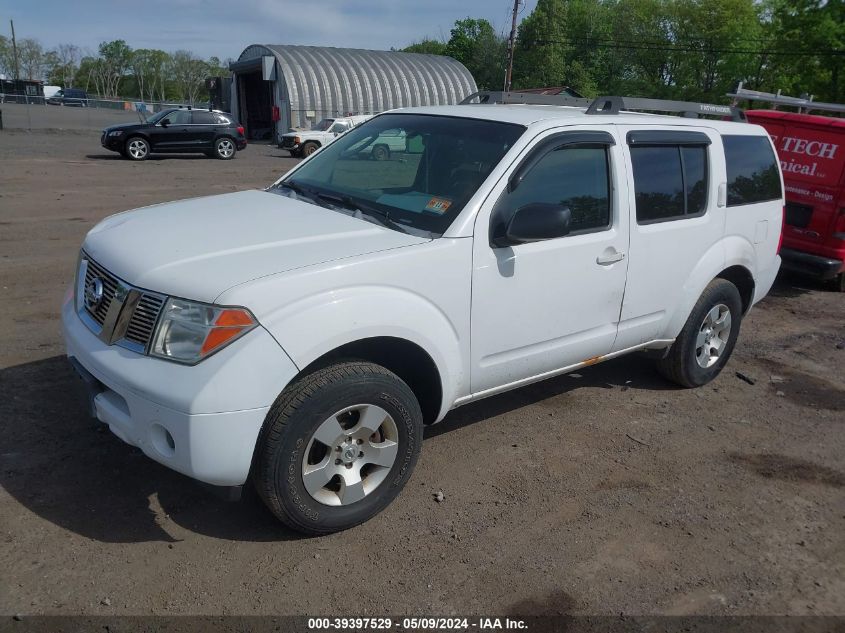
{"x": 302, "y": 336}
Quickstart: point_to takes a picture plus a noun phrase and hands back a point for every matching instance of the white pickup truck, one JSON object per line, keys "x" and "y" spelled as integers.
{"x": 302, "y": 336}
{"x": 305, "y": 143}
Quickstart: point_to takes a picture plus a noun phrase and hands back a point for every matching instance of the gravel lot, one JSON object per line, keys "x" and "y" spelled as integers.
{"x": 603, "y": 492}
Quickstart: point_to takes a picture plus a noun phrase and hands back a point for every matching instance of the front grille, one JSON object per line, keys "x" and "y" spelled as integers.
{"x": 109, "y": 289}
{"x": 143, "y": 321}
{"x": 133, "y": 333}
{"x": 288, "y": 141}
{"x": 798, "y": 214}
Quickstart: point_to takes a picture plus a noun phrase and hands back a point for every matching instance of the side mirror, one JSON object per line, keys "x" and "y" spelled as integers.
{"x": 165, "y": 123}
{"x": 535, "y": 222}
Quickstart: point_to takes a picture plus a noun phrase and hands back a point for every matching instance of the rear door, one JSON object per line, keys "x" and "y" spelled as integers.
{"x": 204, "y": 127}
{"x": 674, "y": 222}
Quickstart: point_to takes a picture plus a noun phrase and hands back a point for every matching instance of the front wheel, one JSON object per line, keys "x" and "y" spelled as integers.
{"x": 137, "y": 148}
{"x": 337, "y": 447}
{"x": 224, "y": 148}
{"x": 708, "y": 338}
{"x": 309, "y": 148}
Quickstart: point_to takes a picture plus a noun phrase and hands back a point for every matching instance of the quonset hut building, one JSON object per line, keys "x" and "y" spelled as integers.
{"x": 276, "y": 88}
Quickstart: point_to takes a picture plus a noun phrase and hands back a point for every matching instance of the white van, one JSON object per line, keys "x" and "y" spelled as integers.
{"x": 302, "y": 336}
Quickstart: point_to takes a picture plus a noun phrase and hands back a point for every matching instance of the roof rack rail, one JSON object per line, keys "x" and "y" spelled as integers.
{"x": 611, "y": 104}
{"x": 804, "y": 102}
{"x": 528, "y": 98}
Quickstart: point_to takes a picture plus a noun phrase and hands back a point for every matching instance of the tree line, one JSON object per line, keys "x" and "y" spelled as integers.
{"x": 670, "y": 49}
{"x": 115, "y": 71}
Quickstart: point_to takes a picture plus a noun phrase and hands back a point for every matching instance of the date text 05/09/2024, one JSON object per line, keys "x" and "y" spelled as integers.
{"x": 416, "y": 624}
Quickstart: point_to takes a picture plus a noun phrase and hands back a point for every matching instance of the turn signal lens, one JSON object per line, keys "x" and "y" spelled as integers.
{"x": 189, "y": 331}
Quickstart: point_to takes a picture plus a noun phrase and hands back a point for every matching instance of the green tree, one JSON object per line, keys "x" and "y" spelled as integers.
{"x": 427, "y": 46}
{"x": 805, "y": 26}
{"x": 474, "y": 43}
{"x": 542, "y": 49}
{"x": 7, "y": 61}
{"x": 115, "y": 58}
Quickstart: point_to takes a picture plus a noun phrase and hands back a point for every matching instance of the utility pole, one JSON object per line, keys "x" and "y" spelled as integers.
{"x": 511, "y": 45}
{"x": 15, "y": 50}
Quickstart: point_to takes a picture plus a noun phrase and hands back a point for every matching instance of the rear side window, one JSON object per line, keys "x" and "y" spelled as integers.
{"x": 670, "y": 181}
{"x": 752, "y": 170}
{"x": 204, "y": 118}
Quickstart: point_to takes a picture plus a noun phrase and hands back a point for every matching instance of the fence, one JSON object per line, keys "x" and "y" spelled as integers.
{"x": 33, "y": 112}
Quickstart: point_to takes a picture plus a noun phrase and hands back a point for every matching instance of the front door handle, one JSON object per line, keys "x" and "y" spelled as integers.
{"x": 610, "y": 256}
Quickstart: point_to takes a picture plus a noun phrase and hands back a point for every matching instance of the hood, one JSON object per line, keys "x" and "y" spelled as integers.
{"x": 126, "y": 126}
{"x": 198, "y": 248}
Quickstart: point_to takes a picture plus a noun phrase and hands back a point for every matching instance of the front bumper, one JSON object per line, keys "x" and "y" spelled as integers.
{"x": 809, "y": 264}
{"x": 202, "y": 420}
{"x": 114, "y": 143}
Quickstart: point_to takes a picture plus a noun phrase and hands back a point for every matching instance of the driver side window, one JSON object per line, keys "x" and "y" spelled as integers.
{"x": 574, "y": 176}
{"x": 179, "y": 117}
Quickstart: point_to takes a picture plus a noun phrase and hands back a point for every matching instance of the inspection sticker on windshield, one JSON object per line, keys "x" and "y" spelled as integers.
{"x": 438, "y": 205}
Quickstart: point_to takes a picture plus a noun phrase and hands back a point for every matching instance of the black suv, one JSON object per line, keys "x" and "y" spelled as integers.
{"x": 177, "y": 130}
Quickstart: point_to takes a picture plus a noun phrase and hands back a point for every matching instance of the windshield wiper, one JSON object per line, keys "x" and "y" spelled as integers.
{"x": 309, "y": 194}
{"x": 381, "y": 217}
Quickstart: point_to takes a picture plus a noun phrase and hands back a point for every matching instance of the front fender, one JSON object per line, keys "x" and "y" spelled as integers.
{"x": 730, "y": 251}
{"x": 309, "y": 328}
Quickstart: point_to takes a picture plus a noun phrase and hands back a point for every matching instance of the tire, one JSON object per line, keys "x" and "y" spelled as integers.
{"x": 839, "y": 282}
{"x": 315, "y": 428}
{"x": 225, "y": 148}
{"x": 381, "y": 152}
{"x": 137, "y": 148}
{"x": 708, "y": 338}
{"x": 309, "y": 148}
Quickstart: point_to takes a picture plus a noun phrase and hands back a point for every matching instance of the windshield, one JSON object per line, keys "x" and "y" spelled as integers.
{"x": 416, "y": 171}
{"x": 323, "y": 125}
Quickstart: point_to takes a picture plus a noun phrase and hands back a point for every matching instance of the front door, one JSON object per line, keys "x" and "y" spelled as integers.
{"x": 539, "y": 307}
{"x": 173, "y": 135}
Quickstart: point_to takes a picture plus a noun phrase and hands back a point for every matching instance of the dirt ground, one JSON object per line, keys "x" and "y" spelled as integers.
{"x": 604, "y": 492}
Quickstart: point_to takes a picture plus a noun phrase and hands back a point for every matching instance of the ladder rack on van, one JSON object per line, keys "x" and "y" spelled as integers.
{"x": 803, "y": 103}
{"x": 609, "y": 104}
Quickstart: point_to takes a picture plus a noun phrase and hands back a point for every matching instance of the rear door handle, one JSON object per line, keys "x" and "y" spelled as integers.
{"x": 611, "y": 257}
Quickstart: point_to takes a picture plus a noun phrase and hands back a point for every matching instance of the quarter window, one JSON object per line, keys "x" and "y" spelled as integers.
{"x": 752, "y": 170}
{"x": 202, "y": 117}
{"x": 573, "y": 176}
{"x": 670, "y": 181}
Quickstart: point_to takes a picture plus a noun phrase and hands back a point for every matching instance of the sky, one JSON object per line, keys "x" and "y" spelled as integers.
{"x": 224, "y": 28}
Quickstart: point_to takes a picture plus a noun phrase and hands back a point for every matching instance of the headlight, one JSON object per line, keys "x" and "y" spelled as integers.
{"x": 189, "y": 331}
{"x": 115, "y": 132}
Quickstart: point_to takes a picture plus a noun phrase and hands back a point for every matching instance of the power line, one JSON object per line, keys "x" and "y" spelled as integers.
{"x": 620, "y": 45}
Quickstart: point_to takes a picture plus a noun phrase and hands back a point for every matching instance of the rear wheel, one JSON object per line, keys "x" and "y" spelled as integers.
{"x": 708, "y": 338}
{"x": 337, "y": 447}
{"x": 224, "y": 148}
{"x": 309, "y": 148}
{"x": 137, "y": 148}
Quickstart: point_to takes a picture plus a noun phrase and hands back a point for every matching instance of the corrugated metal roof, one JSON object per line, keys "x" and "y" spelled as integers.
{"x": 356, "y": 80}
